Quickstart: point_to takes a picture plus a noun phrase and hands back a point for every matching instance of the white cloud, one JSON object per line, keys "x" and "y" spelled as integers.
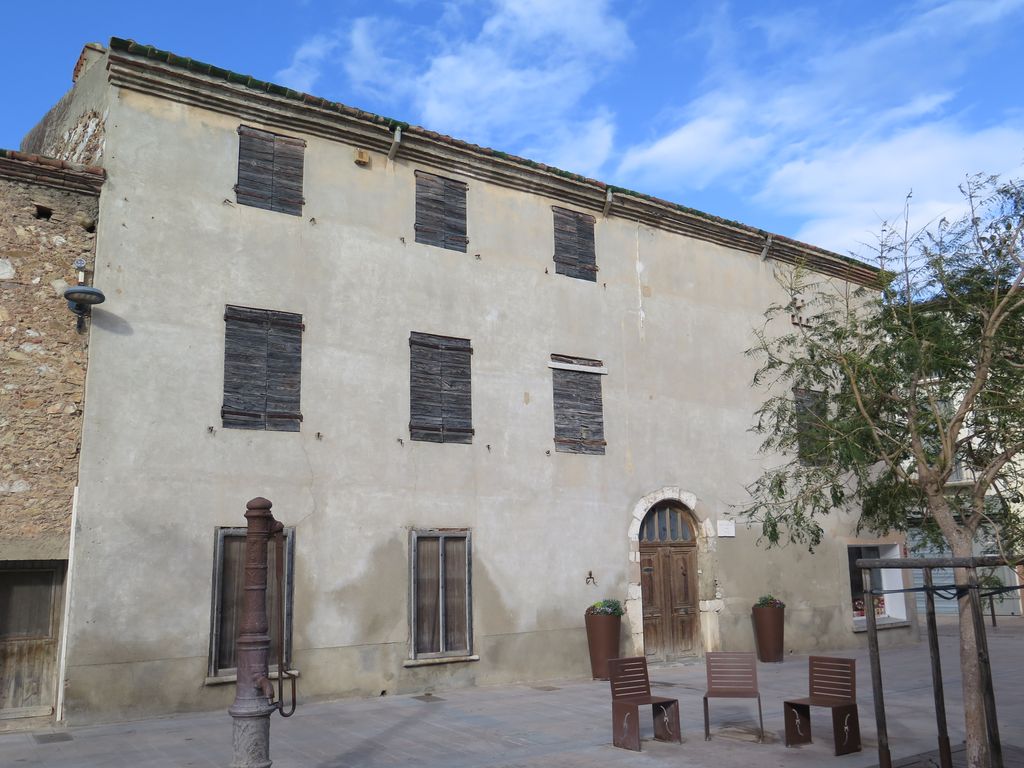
{"x": 700, "y": 151}
{"x": 846, "y": 193}
{"x": 519, "y": 81}
{"x": 836, "y": 127}
{"x": 307, "y": 63}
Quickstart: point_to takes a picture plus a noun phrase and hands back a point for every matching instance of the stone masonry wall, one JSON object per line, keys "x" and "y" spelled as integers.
{"x": 43, "y": 363}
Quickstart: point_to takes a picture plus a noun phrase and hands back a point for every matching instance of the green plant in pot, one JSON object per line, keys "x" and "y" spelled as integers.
{"x": 769, "y": 617}
{"x": 604, "y": 624}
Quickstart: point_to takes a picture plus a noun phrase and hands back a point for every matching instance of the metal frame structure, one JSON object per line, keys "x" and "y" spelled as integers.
{"x": 972, "y": 591}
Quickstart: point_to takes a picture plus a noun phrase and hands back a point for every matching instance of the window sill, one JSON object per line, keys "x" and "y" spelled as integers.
{"x": 438, "y": 660}
{"x": 225, "y": 679}
{"x": 861, "y": 625}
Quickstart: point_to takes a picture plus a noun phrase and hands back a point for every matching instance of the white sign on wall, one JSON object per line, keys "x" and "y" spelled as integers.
{"x": 726, "y": 528}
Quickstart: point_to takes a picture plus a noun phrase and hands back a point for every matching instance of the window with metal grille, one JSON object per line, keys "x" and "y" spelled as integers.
{"x": 441, "y": 603}
{"x": 440, "y": 393}
{"x": 811, "y": 410}
{"x": 666, "y": 522}
{"x": 262, "y": 369}
{"x": 440, "y": 212}
{"x": 579, "y": 417}
{"x": 269, "y": 171}
{"x": 228, "y": 592}
{"x": 574, "y": 244}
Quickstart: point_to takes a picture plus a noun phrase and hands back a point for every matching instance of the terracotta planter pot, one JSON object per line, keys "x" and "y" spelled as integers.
{"x": 769, "y": 624}
{"x": 603, "y": 641}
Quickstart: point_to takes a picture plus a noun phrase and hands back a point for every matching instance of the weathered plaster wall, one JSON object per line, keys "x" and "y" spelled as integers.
{"x": 669, "y": 316}
{"x": 44, "y": 362}
{"x": 75, "y": 127}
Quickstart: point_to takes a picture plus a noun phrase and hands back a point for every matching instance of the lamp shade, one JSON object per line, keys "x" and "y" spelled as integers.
{"x": 84, "y": 294}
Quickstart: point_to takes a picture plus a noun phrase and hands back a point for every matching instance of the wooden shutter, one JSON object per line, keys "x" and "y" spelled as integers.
{"x": 427, "y": 588}
{"x": 579, "y": 416}
{"x": 231, "y": 598}
{"x": 574, "y": 244}
{"x": 262, "y": 369}
{"x": 456, "y": 634}
{"x": 440, "y": 389}
{"x": 270, "y": 171}
{"x": 440, "y": 212}
{"x": 811, "y": 411}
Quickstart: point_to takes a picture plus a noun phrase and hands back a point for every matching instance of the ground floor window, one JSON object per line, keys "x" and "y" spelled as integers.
{"x": 441, "y": 620}
{"x": 891, "y": 606}
{"x": 228, "y": 583}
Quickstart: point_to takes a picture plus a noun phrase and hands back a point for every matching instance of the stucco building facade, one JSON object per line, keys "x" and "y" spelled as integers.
{"x": 469, "y": 383}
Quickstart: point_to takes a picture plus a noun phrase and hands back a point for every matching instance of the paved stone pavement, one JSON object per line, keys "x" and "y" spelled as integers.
{"x": 561, "y": 723}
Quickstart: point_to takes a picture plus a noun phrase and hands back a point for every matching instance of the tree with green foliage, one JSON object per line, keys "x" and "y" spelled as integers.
{"x": 878, "y": 395}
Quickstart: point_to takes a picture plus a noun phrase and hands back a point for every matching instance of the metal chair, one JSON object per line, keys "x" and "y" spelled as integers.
{"x": 731, "y": 676}
{"x": 832, "y": 683}
{"x": 631, "y": 689}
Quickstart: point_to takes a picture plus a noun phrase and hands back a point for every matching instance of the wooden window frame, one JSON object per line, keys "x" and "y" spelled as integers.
{"x": 441, "y": 534}
{"x": 265, "y": 418}
{"x": 270, "y": 171}
{"x": 575, "y": 244}
{"x": 214, "y": 670}
{"x": 441, "y": 212}
{"x": 566, "y": 369}
{"x": 451, "y": 420}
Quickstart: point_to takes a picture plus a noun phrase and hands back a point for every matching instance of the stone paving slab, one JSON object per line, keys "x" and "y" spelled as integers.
{"x": 529, "y": 726}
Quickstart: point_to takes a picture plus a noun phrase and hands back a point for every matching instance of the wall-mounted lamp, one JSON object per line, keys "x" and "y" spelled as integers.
{"x": 82, "y": 297}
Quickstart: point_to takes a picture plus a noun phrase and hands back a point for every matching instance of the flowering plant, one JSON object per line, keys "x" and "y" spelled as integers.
{"x": 769, "y": 601}
{"x": 606, "y": 608}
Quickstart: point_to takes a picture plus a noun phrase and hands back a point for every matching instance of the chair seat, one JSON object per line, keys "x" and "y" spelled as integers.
{"x": 822, "y": 701}
{"x": 730, "y": 693}
{"x": 645, "y": 699}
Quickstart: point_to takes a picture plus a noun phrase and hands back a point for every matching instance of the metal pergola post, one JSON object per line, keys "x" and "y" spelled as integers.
{"x": 970, "y": 565}
{"x": 884, "y": 758}
{"x": 945, "y": 755}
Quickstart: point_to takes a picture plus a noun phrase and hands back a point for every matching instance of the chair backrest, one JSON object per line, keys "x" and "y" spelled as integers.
{"x": 731, "y": 671}
{"x": 628, "y": 677}
{"x": 833, "y": 678}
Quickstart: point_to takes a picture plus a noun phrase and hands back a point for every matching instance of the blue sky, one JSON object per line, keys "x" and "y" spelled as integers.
{"x": 810, "y": 119}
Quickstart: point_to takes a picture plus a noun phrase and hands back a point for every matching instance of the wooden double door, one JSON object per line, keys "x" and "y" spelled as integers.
{"x": 668, "y": 581}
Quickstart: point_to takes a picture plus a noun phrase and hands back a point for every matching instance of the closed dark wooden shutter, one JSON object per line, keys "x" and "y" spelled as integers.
{"x": 811, "y": 411}
{"x": 440, "y": 212}
{"x": 262, "y": 369}
{"x": 230, "y": 603}
{"x": 440, "y": 389}
{"x": 574, "y": 244}
{"x": 270, "y": 171}
{"x": 579, "y": 416}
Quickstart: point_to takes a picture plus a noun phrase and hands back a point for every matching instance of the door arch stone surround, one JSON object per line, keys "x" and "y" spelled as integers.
{"x": 706, "y": 544}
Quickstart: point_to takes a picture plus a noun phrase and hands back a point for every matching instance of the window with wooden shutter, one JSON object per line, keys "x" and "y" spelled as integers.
{"x": 440, "y": 212}
{"x": 228, "y": 589}
{"x": 579, "y": 416}
{"x": 574, "y": 244}
{"x": 441, "y": 617}
{"x": 811, "y": 411}
{"x": 269, "y": 171}
{"x": 262, "y": 369}
{"x": 440, "y": 393}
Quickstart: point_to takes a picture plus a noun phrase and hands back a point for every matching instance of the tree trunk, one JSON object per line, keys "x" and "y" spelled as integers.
{"x": 974, "y": 705}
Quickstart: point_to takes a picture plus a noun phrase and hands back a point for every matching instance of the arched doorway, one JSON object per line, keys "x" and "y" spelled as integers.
{"x": 668, "y": 582}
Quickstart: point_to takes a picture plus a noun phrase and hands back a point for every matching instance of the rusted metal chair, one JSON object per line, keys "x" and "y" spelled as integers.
{"x": 832, "y": 683}
{"x": 731, "y": 676}
{"x": 631, "y": 689}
